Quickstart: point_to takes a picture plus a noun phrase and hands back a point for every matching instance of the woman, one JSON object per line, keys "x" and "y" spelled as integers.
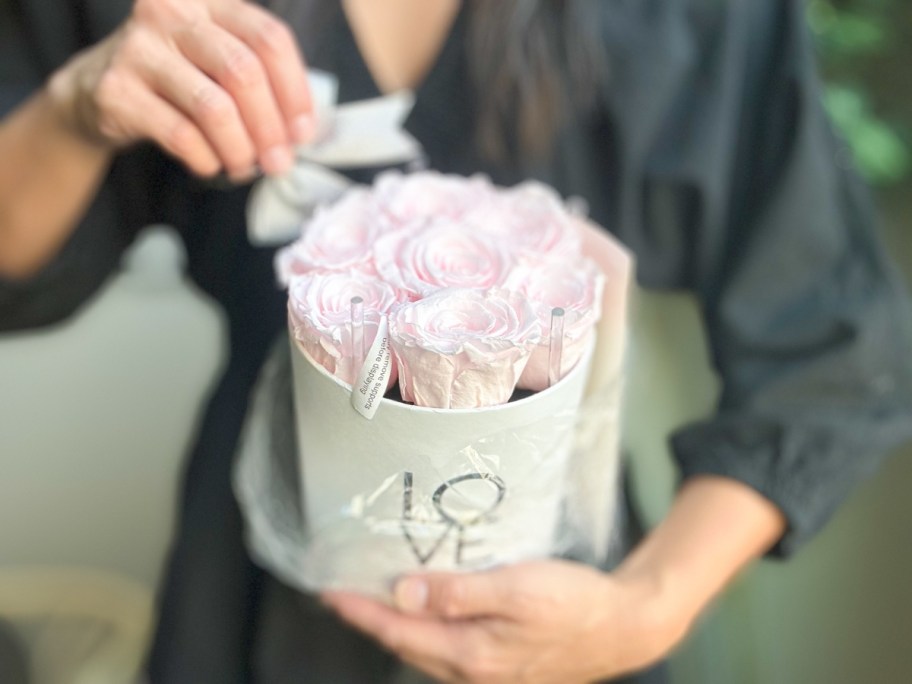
{"x": 694, "y": 131}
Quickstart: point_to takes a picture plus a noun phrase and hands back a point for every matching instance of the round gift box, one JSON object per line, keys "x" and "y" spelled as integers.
{"x": 418, "y": 488}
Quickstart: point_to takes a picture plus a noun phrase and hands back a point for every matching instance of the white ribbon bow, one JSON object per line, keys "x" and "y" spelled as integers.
{"x": 360, "y": 134}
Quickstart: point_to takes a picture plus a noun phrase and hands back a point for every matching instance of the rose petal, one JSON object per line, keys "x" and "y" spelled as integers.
{"x": 440, "y": 255}
{"x": 531, "y": 219}
{"x": 339, "y": 237}
{"x": 536, "y": 374}
{"x": 576, "y": 287}
{"x": 420, "y": 196}
{"x": 320, "y": 311}
{"x": 463, "y": 348}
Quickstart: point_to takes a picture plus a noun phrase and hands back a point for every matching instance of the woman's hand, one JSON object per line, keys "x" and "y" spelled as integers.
{"x": 219, "y": 84}
{"x": 551, "y": 621}
{"x": 562, "y": 622}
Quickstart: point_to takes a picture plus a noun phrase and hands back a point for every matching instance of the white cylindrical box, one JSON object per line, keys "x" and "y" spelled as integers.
{"x": 428, "y": 489}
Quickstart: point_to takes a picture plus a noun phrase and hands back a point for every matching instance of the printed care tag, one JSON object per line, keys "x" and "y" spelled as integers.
{"x": 370, "y": 385}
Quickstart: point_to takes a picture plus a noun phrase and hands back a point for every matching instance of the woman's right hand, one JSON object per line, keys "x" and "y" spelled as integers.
{"x": 219, "y": 84}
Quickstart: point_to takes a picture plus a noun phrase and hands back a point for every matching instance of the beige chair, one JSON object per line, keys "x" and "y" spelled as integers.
{"x": 79, "y": 626}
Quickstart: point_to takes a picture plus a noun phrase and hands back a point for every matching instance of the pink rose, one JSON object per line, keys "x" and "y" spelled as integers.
{"x": 319, "y": 306}
{"x": 442, "y": 255}
{"x": 339, "y": 237}
{"x": 423, "y": 196}
{"x": 532, "y": 219}
{"x": 462, "y": 348}
{"x": 576, "y": 287}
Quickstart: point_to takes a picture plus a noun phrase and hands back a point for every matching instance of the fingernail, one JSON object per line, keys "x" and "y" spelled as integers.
{"x": 240, "y": 177}
{"x": 411, "y": 595}
{"x": 302, "y": 129}
{"x": 277, "y": 160}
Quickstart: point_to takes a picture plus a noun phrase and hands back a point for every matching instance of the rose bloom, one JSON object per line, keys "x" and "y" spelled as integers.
{"x": 463, "y": 348}
{"x": 440, "y": 255}
{"x": 405, "y": 199}
{"x": 320, "y": 311}
{"x": 338, "y": 238}
{"x": 530, "y": 218}
{"x": 574, "y": 286}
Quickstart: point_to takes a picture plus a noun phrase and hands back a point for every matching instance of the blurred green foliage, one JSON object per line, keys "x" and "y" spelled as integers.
{"x": 866, "y": 53}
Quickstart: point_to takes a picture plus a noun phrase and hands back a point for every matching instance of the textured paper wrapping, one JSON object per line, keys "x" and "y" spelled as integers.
{"x": 417, "y": 488}
{"x": 595, "y": 471}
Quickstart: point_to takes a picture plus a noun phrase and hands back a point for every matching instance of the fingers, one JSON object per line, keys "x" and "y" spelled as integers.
{"x": 229, "y": 70}
{"x": 423, "y": 642}
{"x": 454, "y": 596}
{"x": 208, "y": 105}
{"x": 229, "y": 62}
{"x": 141, "y": 114}
{"x": 276, "y": 47}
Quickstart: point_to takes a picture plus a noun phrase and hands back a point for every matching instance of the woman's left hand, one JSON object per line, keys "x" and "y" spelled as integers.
{"x": 551, "y": 621}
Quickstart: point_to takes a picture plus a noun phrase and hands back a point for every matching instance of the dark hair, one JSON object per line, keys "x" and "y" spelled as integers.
{"x": 533, "y": 63}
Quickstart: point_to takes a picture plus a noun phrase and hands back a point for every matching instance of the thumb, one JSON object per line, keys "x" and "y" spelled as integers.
{"x": 452, "y": 595}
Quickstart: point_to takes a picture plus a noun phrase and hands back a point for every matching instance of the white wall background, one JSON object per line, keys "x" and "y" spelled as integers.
{"x": 96, "y": 414}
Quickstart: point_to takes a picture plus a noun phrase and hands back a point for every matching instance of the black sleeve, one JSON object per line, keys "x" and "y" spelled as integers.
{"x": 33, "y": 42}
{"x": 808, "y": 322}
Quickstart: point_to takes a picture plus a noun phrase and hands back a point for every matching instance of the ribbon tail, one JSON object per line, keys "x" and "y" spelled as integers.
{"x": 361, "y": 134}
{"x": 367, "y": 133}
{"x": 277, "y": 207}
